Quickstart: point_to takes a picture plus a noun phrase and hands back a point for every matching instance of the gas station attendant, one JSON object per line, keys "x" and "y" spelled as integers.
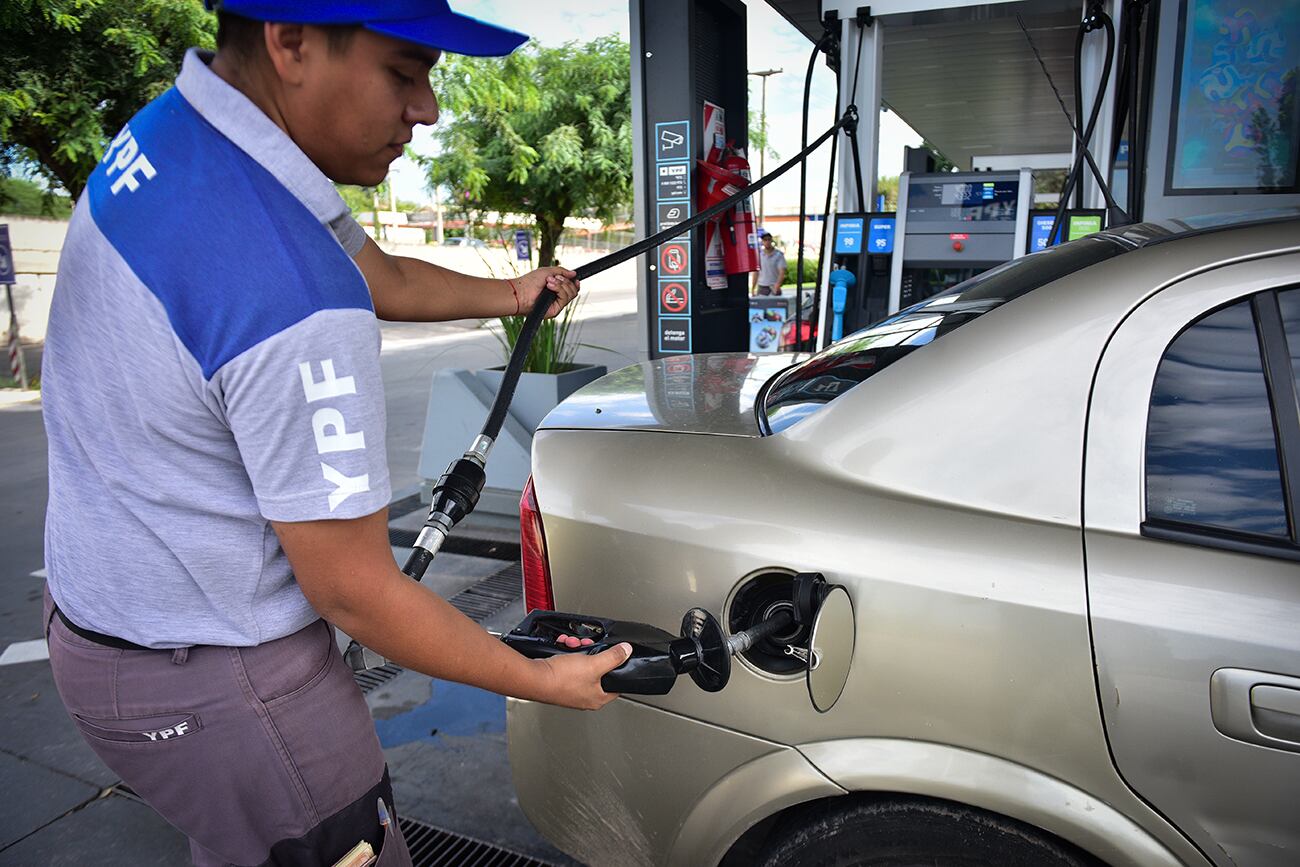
{"x": 215, "y": 414}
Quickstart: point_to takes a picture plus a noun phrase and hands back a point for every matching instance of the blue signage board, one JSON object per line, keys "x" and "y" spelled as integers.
{"x": 1039, "y": 228}
{"x": 523, "y": 245}
{"x": 848, "y": 235}
{"x": 880, "y": 235}
{"x": 6, "y": 257}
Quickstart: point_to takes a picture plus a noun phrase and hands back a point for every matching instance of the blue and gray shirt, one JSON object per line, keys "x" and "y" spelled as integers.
{"x": 212, "y": 365}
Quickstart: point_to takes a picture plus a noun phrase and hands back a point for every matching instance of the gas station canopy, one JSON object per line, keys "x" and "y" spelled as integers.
{"x": 965, "y": 77}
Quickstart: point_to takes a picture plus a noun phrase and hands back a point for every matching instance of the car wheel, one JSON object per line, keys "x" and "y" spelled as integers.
{"x": 902, "y": 832}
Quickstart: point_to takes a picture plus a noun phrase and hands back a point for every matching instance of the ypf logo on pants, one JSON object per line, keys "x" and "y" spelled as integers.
{"x": 148, "y": 730}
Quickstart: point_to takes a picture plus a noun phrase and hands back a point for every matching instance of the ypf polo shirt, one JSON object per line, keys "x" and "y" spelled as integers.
{"x": 212, "y": 364}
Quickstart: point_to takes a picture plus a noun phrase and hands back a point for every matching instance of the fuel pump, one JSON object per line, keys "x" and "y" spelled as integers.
{"x": 863, "y": 246}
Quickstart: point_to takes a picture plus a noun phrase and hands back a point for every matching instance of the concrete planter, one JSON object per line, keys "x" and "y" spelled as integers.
{"x": 459, "y": 401}
{"x": 539, "y": 393}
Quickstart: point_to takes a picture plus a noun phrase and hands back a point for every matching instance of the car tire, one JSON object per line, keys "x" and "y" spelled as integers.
{"x": 904, "y": 831}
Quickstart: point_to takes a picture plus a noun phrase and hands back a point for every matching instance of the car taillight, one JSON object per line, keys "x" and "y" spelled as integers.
{"x": 532, "y": 547}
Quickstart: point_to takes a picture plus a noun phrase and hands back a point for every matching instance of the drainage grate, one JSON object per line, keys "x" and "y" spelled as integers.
{"x": 434, "y": 847}
{"x": 373, "y": 677}
{"x": 477, "y": 602}
{"x": 465, "y": 545}
{"x": 480, "y": 601}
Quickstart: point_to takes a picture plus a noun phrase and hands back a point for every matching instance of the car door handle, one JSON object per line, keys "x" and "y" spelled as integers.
{"x": 1257, "y": 707}
{"x": 1276, "y": 711}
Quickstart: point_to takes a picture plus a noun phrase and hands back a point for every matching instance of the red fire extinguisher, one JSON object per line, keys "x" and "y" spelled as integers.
{"x": 717, "y": 182}
{"x": 739, "y": 240}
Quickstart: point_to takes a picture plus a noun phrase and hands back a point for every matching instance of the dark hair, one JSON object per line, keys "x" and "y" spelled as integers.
{"x": 243, "y": 36}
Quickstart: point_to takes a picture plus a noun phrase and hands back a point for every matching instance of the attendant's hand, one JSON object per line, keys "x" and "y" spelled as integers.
{"x": 561, "y": 281}
{"x": 573, "y": 680}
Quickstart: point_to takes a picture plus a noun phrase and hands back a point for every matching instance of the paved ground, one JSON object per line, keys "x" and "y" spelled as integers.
{"x": 445, "y": 742}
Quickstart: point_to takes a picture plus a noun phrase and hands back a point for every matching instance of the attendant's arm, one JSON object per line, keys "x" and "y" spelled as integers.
{"x": 412, "y": 290}
{"x": 780, "y": 275}
{"x": 346, "y": 571}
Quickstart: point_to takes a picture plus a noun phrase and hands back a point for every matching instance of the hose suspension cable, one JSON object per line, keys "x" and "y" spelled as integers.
{"x": 1116, "y": 215}
{"x": 1095, "y": 19}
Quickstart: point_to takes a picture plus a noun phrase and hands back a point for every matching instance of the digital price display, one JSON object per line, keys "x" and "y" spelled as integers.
{"x": 968, "y": 202}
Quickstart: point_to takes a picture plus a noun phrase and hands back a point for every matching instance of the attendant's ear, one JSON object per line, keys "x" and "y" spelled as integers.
{"x": 285, "y": 45}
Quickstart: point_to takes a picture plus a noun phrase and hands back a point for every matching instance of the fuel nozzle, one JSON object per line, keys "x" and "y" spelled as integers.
{"x": 702, "y": 650}
{"x": 454, "y": 497}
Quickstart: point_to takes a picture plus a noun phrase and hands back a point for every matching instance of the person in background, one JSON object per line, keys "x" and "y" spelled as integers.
{"x": 771, "y": 269}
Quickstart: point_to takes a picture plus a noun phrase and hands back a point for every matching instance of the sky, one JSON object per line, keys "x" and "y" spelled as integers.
{"x": 773, "y": 44}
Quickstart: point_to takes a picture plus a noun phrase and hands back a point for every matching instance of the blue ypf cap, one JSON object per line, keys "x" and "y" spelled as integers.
{"x": 431, "y": 23}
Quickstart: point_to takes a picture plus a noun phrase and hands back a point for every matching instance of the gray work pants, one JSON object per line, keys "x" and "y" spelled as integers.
{"x": 260, "y": 755}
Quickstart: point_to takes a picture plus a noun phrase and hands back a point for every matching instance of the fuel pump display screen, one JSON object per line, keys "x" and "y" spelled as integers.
{"x": 946, "y": 202}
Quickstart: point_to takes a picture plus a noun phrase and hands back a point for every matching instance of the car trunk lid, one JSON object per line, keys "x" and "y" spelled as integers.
{"x": 708, "y": 394}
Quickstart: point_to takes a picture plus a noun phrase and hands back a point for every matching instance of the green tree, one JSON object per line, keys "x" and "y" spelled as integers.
{"x": 887, "y": 186}
{"x": 26, "y": 198}
{"x": 545, "y": 131}
{"x": 941, "y": 162}
{"x": 77, "y": 70}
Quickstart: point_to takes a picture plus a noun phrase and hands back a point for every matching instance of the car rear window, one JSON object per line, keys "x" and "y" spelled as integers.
{"x": 801, "y": 390}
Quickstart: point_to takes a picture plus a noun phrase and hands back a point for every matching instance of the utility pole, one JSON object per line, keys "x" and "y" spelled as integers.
{"x": 762, "y": 125}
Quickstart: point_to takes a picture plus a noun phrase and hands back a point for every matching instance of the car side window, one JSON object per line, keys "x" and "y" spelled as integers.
{"x": 1289, "y": 301}
{"x": 1212, "y": 456}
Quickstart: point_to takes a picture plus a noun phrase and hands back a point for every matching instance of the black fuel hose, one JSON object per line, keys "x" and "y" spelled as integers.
{"x": 826, "y": 39}
{"x": 497, "y": 415}
{"x": 457, "y": 491}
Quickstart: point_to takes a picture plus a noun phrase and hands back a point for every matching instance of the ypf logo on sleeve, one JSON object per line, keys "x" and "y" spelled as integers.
{"x": 330, "y": 428}
{"x": 126, "y": 160}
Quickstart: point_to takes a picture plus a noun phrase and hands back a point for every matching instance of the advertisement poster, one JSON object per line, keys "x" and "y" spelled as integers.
{"x": 767, "y": 319}
{"x": 1235, "y": 122}
{"x": 715, "y": 276}
{"x": 715, "y": 132}
{"x": 715, "y": 141}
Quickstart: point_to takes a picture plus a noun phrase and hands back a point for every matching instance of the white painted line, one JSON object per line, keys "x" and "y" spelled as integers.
{"x": 25, "y": 651}
{"x": 39, "y": 573}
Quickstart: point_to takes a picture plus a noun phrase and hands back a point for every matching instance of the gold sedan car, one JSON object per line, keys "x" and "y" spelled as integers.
{"x": 1062, "y": 502}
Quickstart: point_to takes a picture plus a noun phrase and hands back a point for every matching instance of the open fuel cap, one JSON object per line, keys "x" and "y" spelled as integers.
{"x": 830, "y": 649}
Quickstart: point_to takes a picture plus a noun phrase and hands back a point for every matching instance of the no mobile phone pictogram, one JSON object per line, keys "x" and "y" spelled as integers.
{"x": 674, "y": 259}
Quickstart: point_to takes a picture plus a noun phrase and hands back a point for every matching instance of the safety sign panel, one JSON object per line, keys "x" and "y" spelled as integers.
{"x": 674, "y": 334}
{"x": 848, "y": 235}
{"x": 672, "y": 213}
{"x": 672, "y": 141}
{"x": 1082, "y": 225}
{"x": 675, "y": 259}
{"x": 674, "y": 181}
{"x": 6, "y": 257}
{"x": 1039, "y": 228}
{"x": 880, "y": 235}
{"x": 674, "y": 297}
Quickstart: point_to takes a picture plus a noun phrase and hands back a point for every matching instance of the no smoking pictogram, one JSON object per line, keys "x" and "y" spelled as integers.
{"x": 673, "y": 296}
{"x": 674, "y": 259}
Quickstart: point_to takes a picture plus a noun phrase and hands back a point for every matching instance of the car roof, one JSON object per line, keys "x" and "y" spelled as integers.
{"x": 1154, "y": 232}
{"x": 1016, "y": 382}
